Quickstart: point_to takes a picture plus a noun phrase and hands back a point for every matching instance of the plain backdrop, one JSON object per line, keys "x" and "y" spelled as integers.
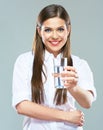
{"x": 17, "y": 27}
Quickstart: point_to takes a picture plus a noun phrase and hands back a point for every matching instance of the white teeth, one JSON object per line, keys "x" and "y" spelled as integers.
{"x": 54, "y": 42}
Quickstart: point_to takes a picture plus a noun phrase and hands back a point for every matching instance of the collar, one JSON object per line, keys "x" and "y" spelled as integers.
{"x": 48, "y": 55}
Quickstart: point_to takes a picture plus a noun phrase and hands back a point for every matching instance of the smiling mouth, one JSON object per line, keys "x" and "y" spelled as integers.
{"x": 55, "y": 42}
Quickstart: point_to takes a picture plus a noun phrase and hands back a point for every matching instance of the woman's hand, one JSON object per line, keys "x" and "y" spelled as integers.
{"x": 82, "y": 96}
{"x": 69, "y": 76}
{"x": 76, "y": 117}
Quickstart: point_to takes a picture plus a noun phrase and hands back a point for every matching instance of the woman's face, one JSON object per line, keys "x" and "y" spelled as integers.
{"x": 54, "y": 34}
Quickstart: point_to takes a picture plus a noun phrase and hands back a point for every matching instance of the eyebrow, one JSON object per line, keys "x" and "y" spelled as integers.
{"x": 51, "y": 27}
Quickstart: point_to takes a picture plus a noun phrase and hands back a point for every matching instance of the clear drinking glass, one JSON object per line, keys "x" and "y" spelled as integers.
{"x": 59, "y": 65}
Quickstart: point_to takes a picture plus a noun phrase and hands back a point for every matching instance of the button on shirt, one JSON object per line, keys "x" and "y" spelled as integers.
{"x": 22, "y": 88}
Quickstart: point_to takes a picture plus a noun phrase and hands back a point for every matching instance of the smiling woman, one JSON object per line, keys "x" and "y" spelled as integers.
{"x": 54, "y": 33}
{"x": 34, "y": 93}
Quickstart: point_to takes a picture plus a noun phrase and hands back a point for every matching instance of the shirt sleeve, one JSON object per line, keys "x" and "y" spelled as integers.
{"x": 86, "y": 77}
{"x": 21, "y": 89}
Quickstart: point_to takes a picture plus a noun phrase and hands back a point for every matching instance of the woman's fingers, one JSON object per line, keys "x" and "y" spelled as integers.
{"x": 69, "y": 74}
{"x": 70, "y": 68}
{"x": 77, "y": 117}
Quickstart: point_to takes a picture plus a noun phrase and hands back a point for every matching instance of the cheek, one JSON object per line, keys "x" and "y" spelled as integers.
{"x": 44, "y": 37}
{"x": 64, "y": 37}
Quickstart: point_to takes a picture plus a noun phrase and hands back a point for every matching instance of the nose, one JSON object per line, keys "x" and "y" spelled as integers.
{"x": 55, "y": 34}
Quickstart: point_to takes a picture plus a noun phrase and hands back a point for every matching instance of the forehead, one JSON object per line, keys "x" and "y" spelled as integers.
{"x": 54, "y": 22}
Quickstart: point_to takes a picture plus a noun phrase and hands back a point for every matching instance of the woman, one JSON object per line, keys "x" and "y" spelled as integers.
{"x": 34, "y": 94}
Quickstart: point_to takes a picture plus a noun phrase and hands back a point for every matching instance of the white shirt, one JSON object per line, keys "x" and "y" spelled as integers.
{"x": 22, "y": 89}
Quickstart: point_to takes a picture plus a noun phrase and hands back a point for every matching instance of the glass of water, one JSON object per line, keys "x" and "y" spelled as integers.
{"x": 59, "y": 65}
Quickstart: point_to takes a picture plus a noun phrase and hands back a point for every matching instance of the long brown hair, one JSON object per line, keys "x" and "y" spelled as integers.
{"x": 49, "y": 11}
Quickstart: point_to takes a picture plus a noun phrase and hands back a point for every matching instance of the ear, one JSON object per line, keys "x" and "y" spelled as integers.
{"x": 69, "y": 29}
{"x": 39, "y": 31}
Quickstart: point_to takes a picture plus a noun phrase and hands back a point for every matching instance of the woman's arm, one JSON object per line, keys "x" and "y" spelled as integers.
{"x": 41, "y": 112}
{"x": 82, "y": 96}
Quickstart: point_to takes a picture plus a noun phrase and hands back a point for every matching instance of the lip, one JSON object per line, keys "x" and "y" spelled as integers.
{"x": 54, "y": 42}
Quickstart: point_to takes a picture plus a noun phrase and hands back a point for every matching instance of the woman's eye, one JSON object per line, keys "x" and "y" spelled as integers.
{"x": 60, "y": 29}
{"x": 47, "y": 30}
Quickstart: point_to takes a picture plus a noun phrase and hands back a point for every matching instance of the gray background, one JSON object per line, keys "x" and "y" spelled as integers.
{"x": 17, "y": 27}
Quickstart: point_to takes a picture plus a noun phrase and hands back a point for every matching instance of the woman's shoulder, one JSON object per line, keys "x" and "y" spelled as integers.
{"x": 25, "y": 58}
{"x": 76, "y": 58}
{"x": 77, "y": 61}
{"x": 25, "y": 55}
